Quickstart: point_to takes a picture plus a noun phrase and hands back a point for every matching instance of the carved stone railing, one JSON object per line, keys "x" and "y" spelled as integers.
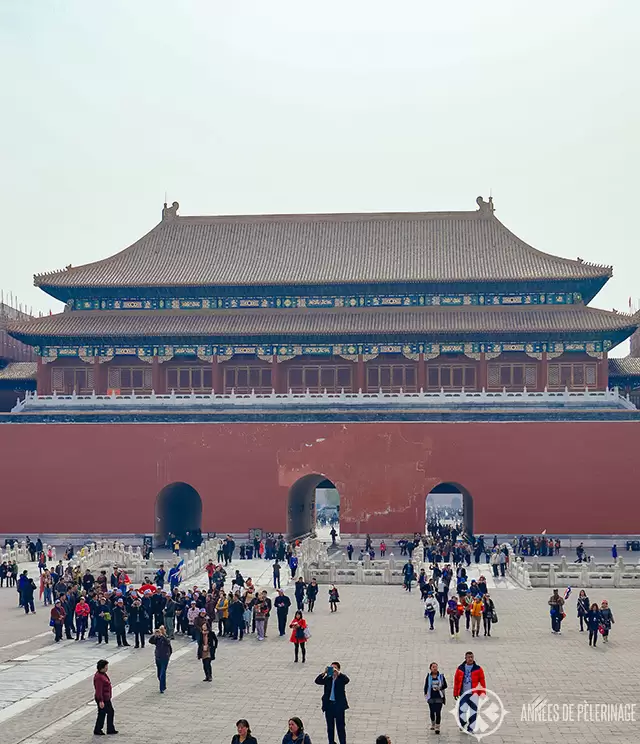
{"x": 18, "y": 553}
{"x": 583, "y": 575}
{"x": 524, "y": 399}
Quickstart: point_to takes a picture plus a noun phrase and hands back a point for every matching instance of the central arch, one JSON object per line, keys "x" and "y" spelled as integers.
{"x": 179, "y": 514}
{"x": 301, "y": 504}
{"x": 456, "y": 499}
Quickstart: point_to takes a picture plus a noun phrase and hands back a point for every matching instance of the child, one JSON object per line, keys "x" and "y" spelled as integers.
{"x": 334, "y": 598}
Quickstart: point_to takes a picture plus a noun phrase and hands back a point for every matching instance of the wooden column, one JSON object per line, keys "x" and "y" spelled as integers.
{"x": 361, "y": 381}
{"x": 422, "y": 373}
{"x": 158, "y": 376}
{"x": 276, "y": 376}
{"x": 216, "y": 376}
{"x": 544, "y": 372}
{"x": 483, "y": 380}
{"x": 99, "y": 377}
{"x": 603, "y": 372}
{"x": 43, "y": 378}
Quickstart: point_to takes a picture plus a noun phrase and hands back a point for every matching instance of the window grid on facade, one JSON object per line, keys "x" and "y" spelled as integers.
{"x": 451, "y": 376}
{"x": 246, "y": 379}
{"x": 130, "y": 378}
{"x": 517, "y": 376}
{"x": 573, "y": 375}
{"x": 316, "y": 379}
{"x": 392, "y": 378}
{"x": 72, "y": 379}
{"x": 189, "y": 378}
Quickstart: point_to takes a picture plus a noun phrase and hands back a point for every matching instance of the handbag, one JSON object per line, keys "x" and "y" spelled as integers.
{"x": 307, "y": 633}
{"x": 300, "y": 636}
{"x": 494, "y": 617}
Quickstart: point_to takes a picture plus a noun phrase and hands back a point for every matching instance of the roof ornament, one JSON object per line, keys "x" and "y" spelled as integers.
{"x": 170, "y": 213}
{"x": 485, "y": 207}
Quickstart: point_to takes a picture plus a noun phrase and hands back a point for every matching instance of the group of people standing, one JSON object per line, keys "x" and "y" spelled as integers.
{"x": 597, "y": 620}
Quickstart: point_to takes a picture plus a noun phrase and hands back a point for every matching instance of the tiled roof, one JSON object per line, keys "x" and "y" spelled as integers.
{"x": 626, "y": 367}
{"x": 19, "y": 371}
{"x": 344, "y": 322}
{"x": 324, "y": 248}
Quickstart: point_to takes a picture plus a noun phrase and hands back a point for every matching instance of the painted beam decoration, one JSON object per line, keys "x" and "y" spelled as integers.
{"x": 299, "y": 301}
{"x": 348, "y": 351}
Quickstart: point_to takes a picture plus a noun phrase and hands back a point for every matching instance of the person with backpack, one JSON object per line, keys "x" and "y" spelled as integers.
{"x": 296, "y": 733}
{"x": 334, "y": 598}
{"x": 454, "y": 611}
{"x": 434, "y": 686}
{"x": 489, "y": 615}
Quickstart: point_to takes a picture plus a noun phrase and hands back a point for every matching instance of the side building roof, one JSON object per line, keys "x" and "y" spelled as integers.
{"x": 320, "y": 249}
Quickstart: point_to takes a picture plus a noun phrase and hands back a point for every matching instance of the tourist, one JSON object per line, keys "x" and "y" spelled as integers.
{"x": 102, "y": 696}
{"x": 293, "y": 565}
{"x": 556, "y": 603}
{"x": 82, "y": 613}
{"x": 207, "y": 645}
{"x": 222, "y": 613}
{"x": 334, "y": 701}
{"x": 383, "y": 549}
{"x": 57, "y": 619}
{"x": 296, "y": 733}
{"x": 169, "y": 615}
{"x": 282, "y": 604}
{"x": 442, "y": 594}
{"x": 593, "y": 619}
{"x": 409, "y": 574}
{"x": 382, "y": 739}
{"x": 162, "y": 655}
{"x": 333, "y": 534}
{"x": 236, "y": 618}
{"x": 300, "y": 591}
{"x": 607, "y": 620}
{"x": 260, "y": 614}
{"x": 495, "y": 562}
{"x": 614, "y": 552}
{"x": 276, "y": 575}
{"x": 430, "y": 609}
{"x": 434, "y": 686}
{"x": 489, "y": 615}
{"x": 244, "y": 733}
{"x": 350, "y": 551}
{"x": 468, "y": 684}
{"x": 266, "y": 600}
{"x": 334, "y": 598}
{"x": 312, "y": 593}
{"x": 299, "y": 635}
{"x": 476, "y": 612}
{"x": 138, "y": 622}
{"x": 176, "y": 546}
{"x": 119, "y": 620}
{"x": 583, "y": 608}
{"x": 454, "y": 611}
{"x": 102, "y": 614}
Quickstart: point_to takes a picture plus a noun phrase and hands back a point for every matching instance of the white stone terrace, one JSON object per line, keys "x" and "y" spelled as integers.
{"x": 461, "y": 399}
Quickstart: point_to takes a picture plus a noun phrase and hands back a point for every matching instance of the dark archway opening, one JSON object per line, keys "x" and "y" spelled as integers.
{"x": 313, "y": 506}
{"x": 450, "y": 503}
{"x": 179, "y": 515}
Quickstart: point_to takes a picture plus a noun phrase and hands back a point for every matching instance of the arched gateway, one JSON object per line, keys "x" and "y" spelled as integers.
{"x": 456, "y": 499}
{"x": 301, "y": 504}
{"x": 178, "y": 511}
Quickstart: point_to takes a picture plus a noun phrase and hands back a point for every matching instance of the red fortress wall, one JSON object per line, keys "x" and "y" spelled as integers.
{"x": 571, "y": 477}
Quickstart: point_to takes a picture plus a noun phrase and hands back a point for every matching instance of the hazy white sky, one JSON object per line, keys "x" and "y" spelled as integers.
{"x": 290, "y": 106}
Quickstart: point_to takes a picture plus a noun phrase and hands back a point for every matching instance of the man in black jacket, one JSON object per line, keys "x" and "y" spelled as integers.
{"x": 282, "y": 604}
{"x": 334, "y": 702}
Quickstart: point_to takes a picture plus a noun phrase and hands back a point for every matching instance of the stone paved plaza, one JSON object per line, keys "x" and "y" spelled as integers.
{"x": 382, "y": 641}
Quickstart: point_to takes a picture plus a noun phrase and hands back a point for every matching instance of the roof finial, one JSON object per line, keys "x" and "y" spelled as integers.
{"x": 170, "y": 213}
{"x": 485, "y": 207}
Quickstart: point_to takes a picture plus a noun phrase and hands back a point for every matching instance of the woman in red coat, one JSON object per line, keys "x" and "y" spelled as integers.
{"x": 299, "y": 635}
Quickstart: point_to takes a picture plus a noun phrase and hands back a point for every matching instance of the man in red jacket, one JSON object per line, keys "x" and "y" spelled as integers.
{"x": 468, "y": 684}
